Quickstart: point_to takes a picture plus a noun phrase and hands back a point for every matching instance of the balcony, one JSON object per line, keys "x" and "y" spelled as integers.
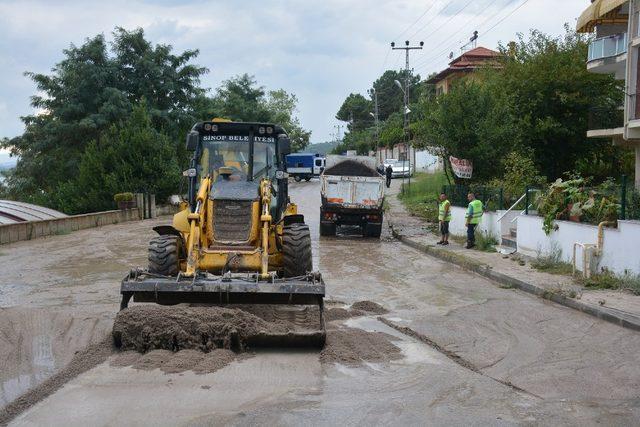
{"x": 606, "y": 122}
{"x": 607, "y": 55}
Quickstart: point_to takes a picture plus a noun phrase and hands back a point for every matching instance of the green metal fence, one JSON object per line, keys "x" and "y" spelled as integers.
{"x": 491, "y": 197}
{"x": 629, "y": 201}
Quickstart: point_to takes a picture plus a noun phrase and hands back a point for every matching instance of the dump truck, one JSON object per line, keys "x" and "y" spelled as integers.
{"x": 239, "y": 239}
{"x": 352, "y": 194}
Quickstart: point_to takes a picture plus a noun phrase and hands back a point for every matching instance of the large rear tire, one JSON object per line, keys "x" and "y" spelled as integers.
{"x": 296, "y": 250}
{"x": 164, "y": 255}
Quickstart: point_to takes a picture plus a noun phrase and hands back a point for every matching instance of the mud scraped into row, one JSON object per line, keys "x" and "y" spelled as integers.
{"x": 149, "y": 327}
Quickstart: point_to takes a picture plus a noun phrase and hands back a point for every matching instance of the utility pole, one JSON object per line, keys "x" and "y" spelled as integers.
{"x": 338, "y": 134}
{"x": 375, "y": 118}
{"x": 407, "y": 48}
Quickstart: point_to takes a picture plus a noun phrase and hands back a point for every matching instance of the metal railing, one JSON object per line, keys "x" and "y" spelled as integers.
{"x": 491, "y": 197}
{"x": 608, "y": 46}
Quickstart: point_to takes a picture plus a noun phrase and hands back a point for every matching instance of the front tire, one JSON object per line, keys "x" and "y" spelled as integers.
{"x": 164, "y": 255}
{"x": 296, "y": 250}
{"x": 297, "y": 178}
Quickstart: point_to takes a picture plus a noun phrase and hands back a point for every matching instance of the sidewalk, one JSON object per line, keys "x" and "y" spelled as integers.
{"x": 613, "y": 306}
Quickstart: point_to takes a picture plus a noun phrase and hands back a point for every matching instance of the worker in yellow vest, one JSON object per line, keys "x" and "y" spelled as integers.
{"x": 444, "y": 217}
{"x": 472, "y": 218}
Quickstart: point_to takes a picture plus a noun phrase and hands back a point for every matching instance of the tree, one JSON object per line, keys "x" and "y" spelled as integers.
{"x": 471, "y": 122}
{"x": 356, "y": 111}
{"x": 240, "y": 98}
{"x": 552, "y": 95}
{"x": 390, "y": 96}
{"x": 132, "y": 156}
{"x": 94, "y": 87}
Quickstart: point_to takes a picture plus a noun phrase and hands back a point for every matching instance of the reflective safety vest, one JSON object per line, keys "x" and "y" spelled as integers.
{"x": 442, "y": 209}
{"x": 475, "y": 212}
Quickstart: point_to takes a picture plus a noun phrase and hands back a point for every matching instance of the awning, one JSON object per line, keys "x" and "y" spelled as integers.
{"x": 601, "y": 12}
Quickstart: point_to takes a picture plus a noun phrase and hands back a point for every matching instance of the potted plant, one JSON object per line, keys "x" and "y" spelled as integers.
{"x": 124, "y": 200}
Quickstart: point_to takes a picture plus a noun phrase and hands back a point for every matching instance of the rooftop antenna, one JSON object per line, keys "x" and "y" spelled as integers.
{"x": 471, "y": 44}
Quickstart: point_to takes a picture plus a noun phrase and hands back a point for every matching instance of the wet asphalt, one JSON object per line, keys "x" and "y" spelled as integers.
{"x": 525, "y": 360}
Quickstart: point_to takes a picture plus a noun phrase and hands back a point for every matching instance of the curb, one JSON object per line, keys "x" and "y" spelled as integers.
{"x": 607, "y": 314}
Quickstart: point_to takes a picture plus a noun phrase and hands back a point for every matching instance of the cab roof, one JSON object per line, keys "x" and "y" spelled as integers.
{"x": 238, "y": 128}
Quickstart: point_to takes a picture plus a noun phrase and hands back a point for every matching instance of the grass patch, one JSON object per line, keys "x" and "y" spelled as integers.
{"x": 421, "y": 198}
{"x": 62, "y": 232}
{"x": 485, "y": 242}
{"x": 609, "y": 280}
{"x": 552, "y": 262}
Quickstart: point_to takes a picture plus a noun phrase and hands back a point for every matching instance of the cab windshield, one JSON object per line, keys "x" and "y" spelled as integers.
{"x": 234, "y": 152}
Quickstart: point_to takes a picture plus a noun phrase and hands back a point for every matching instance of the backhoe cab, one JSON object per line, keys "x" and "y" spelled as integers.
{"x": 240, "y": 240}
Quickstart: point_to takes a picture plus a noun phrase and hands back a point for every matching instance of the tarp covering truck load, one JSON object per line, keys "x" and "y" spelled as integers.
{"x": 352, "y": 194}
{"x": 304, "y": 166}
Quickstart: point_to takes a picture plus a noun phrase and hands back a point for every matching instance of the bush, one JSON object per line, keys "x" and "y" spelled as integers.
{"x": 572, "y": 198}
{"x": 123, "y": 197}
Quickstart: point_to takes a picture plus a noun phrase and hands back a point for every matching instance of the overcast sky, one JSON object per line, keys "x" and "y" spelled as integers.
{"x": 319, "y": 50}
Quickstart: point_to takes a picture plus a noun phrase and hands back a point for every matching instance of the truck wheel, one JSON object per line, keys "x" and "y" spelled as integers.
{"x": 373, "y": 230}
{"x": 307, "y": 178}
{"x": 297, "y": 178}
{"x": 327, "y": 229}
{"x": 164, "y": 255}
{"x": 296, "y": 250}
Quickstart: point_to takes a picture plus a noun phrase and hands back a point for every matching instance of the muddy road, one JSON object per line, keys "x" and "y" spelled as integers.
{"x": 468, "y": 351}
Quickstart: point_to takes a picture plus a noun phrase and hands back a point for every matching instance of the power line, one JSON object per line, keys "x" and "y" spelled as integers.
{"x": 416, "y": 21}
{"x": 449, "y": 20}
{"x": 431, "y": 20}
{"x": 491, "y": 3}
{"x": 510, "y": 13}
{"x": 434, "y": 58}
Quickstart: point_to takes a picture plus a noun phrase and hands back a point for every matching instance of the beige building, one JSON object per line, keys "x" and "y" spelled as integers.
{"x": 463, "y": 67}
{"x": 615, "y": 50}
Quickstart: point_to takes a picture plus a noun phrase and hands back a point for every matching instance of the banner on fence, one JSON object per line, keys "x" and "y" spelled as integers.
{"x": 462, "y": 168}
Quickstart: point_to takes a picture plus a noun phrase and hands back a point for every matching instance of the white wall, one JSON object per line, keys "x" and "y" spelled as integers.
{"x": 427, "y": 162}
{"x": 621, "y": 246}
{"x": 423, "y": 160}
{"x": 488, "y": 224}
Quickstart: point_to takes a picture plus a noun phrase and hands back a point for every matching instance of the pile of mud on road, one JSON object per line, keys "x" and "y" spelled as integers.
{"x": 150, "y": 327}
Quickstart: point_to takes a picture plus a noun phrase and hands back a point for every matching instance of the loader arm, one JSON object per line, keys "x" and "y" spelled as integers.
{"x": 265, "y": 218}
{"x": 196, "y": 219}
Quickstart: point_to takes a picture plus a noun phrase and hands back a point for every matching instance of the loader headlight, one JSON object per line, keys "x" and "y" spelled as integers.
{"x": 261, "y": 130}
{"x": 269, "y": 130}
{"x": 207, "y": 126}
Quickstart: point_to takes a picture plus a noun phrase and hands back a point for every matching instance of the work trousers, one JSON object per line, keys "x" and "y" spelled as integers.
{"x": 471, "y": 233}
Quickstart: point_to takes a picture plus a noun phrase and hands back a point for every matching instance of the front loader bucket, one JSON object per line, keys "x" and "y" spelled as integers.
{"x": 273, "y": 300}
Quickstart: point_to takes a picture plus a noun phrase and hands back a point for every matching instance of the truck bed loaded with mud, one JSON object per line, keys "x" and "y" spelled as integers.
{"x": 352, "y": 194}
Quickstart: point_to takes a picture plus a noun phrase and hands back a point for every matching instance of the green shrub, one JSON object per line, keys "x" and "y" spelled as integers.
{"x": 572, "y": 197}
{"x": 485, "y": 242}
{"x": 123, "y": 197}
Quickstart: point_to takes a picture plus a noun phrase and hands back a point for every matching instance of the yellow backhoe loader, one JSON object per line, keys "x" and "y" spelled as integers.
{"x": 239, "y": 240}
